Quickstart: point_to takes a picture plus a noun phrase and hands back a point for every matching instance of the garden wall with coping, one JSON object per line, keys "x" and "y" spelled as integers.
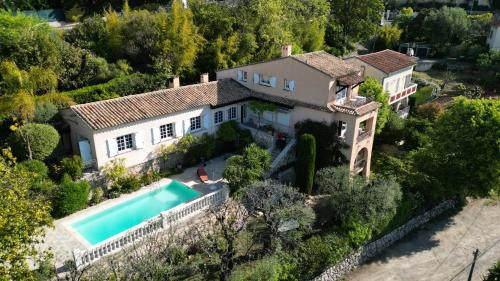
{"x": 373, "y": 248}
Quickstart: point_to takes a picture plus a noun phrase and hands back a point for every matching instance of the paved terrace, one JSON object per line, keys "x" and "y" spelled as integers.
{"x": 62, "y": 242}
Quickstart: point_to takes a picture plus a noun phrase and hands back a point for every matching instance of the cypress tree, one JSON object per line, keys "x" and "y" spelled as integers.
{"x": 306, "y": 158}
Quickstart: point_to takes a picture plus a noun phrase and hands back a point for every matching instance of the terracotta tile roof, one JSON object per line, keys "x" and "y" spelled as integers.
{"x": 355, "y": 109}
{"x": 113, "y": 112}
{"x": 388, "y": 61}
{"x": 326, "y": 63}
{"x": 109, "y": 113}
{"x": 350, "y": 80}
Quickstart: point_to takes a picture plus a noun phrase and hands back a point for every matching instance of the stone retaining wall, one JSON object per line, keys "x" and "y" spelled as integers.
{"x": 373, "y": 248}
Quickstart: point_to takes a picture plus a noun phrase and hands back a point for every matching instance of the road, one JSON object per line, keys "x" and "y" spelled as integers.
{"x": 441, "y": 250}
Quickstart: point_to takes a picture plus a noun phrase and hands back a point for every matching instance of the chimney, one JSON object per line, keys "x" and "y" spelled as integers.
{"x": 286, "y": 51}
{"x": 204, "y": 78}
{"x": 175, "y": 83}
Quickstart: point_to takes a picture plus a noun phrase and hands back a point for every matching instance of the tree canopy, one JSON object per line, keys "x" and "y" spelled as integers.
{"x": 372, "y": 88}
{"x": 462, "y": 156}
{"x": 22, "y": 223}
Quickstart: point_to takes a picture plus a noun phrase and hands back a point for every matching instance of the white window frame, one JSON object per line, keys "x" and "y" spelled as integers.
{"x": 263, "y": 81}
{"x": 218, "y": 117}
{"x": 195, "y": 123}
{"x": 167, "y": 131}
{"x": 231, "y": 113}
{"x": 125, "y": 143}
{"x": 286, "y": 83}
{"x": 341, "y": 95}
{"x": 244, "y": 75}
{"x": 341, "y": 128}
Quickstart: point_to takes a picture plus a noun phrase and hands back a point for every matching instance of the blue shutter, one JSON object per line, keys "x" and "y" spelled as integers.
{"x": 272, "y": 81}
{"x": 112, "y": 147}
{"x": 206, "y": 121}
{"x": 256, "y": 78}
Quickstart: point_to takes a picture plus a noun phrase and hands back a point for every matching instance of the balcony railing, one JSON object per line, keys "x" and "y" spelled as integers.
{"x": 363, "y": 136}
{"x": 409, "y": 90}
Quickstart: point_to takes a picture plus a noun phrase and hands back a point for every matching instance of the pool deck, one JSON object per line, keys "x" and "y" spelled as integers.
{"x": 62, "y": 240}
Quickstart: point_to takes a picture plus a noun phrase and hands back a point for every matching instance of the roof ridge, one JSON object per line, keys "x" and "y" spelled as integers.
{"x": 159, "y": 91}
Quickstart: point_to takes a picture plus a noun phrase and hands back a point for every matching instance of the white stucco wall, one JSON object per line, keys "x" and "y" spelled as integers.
{"x": 149, "y": 151}
{"x": 494, "y": 38}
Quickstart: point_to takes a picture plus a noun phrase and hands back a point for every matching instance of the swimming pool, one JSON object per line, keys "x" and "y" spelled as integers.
{"x": 109, "y": 222}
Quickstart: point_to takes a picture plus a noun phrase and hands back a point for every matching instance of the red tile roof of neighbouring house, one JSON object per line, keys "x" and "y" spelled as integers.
{"x": 388, "y": 60}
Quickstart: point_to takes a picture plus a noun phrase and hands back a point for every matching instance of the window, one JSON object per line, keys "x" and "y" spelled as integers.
{"x": 265, "y": 80}
{"x": 231, "y": 113}
{"x": 218, "y": 117}
{"x": 289, "y": 85}
{"x": 242, "y": 75}
{"x": 166, "y": 131}
{"x": 195, "y": 123}
{"x": 124, "y": 142}
{"x": 341, "y": 128}
{"x": 341, "y": 95}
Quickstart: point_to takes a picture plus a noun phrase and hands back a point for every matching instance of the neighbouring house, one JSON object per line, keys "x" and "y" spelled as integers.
{"x": 493, "y": 39}
{"x": 316, "y": 86}
{"x": 394, "y": 71}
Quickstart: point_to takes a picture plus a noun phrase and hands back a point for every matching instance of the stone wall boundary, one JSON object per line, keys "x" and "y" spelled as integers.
{"x": 373, "y": 248}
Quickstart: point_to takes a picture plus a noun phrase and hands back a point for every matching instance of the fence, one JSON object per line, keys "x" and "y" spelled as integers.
{"x": 158, "y": 223}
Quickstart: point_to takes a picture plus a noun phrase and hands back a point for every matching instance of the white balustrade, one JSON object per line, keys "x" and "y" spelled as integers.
{"x": 160, "y": 222}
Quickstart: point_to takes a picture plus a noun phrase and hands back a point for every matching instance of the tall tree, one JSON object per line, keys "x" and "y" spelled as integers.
{"x": 372, "y": 88}
{"x": 446, "y": 26}
{"x": 463, "y": 156}
{"x": 281, "y": 208}
{"x": 180, "y": 40}
{"x": 354, "y": 20}
{"x": 22, "y": 223}
{"x": 306, "y": 159}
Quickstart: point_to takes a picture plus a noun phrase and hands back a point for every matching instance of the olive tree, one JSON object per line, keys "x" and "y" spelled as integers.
{"x": 282, "y": 210}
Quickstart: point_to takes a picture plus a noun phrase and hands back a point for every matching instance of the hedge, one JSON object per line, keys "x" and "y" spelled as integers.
{"x": 122, "y": 86}
{"x": 70, "y": 196}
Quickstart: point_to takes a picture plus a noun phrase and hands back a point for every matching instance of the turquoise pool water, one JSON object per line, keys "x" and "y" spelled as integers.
{"x": 101, "y": 226}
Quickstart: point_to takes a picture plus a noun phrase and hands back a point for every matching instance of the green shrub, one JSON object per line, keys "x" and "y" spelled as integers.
{"x": 268, "y": 269}
{"x": 493, "y": 273}
{"x": 70, "y": 196}
{"x": 45, "y": 112}
{"x": 231, "y": 137}
{"x": 128, "y": 184}
{"x": 306, "y": 158}
{"x": 97, "y": 196}
{"x": 317, "y": 253}
{"x": 36, "y": 167}
{"x": 35, "y": 141}
{"x": 357, "y": 233}
{"x": 242, "y": 170}
{"x": 149, "y": 177}
{"x": 72, "y": 166}
{"x": 423, "y": 95}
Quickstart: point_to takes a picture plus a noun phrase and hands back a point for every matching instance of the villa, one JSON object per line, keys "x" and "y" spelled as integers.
{"x": 394, "y": 71}
{"x": 316, "y": 86}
